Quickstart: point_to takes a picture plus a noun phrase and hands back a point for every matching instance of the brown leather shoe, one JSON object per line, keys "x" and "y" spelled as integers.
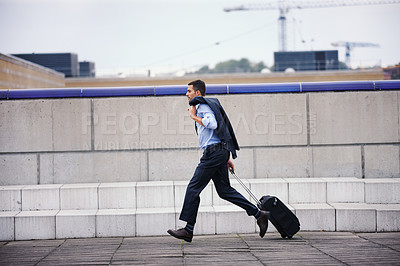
{"x": 181, "y": 234}
{"x": 262, "y": 222}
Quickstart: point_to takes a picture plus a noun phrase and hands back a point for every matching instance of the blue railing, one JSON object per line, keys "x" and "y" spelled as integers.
{"x": 211, "y": 89}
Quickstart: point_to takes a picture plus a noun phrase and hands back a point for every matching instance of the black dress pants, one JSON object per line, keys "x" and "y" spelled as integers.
{"x": 213, "y": 165}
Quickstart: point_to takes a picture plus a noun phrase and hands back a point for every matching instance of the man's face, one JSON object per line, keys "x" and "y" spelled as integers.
{"x": 191, "y": 93}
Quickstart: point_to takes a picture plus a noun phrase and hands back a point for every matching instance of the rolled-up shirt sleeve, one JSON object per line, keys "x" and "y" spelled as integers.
{"x": 208, "y": 118}
{"x": 209, "y": 121}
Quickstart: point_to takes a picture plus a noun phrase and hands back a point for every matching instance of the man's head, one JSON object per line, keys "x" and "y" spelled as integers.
{"x": 196, "y": 88}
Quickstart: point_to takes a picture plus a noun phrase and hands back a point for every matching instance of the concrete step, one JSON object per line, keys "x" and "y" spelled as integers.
{"x": 159, "y": 194}
{"x": 224, "y": 219}
{"x": 150, "y": 208}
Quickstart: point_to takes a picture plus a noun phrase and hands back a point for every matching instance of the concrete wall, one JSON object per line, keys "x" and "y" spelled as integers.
{"x": 16, "y": 73}
{"x": 335, "y": 134}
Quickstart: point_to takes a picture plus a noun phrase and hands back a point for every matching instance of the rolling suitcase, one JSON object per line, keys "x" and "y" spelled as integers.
{"x": 281, "y": 217}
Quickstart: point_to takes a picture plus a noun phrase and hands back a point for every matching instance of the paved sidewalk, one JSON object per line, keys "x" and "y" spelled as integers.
{"x": 306, "y": 248}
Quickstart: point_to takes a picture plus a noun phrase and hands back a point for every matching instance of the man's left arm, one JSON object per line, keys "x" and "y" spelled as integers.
{"x": 231, "y": 166}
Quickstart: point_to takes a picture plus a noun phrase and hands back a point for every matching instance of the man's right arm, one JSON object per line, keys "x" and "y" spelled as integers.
{"x": 209, "y": 120}
{"x": 192, "y": 113}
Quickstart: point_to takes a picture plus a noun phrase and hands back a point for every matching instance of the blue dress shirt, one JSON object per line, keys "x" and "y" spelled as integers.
{"x": 206, "y": 134}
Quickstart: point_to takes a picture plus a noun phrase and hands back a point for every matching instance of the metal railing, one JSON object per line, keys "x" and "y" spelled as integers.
{"x": 298, "y": 87}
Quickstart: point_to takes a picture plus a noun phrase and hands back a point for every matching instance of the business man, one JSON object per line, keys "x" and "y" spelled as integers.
{"x": 217, "y": 139}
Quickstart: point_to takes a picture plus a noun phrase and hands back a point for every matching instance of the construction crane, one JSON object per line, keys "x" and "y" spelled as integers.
{"x": 350, "y": 46}
{"x": 285, "y": 5}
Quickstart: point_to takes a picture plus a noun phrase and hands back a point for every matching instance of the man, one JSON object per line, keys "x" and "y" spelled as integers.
{"x": 218, "y": 141}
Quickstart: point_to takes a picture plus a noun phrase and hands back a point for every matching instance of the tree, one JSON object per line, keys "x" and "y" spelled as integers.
{"x": 259, "y": 66}
{"x": 232, "y": 66}
{"x": 342, "y": 65}
{"x": 203, "y": 70}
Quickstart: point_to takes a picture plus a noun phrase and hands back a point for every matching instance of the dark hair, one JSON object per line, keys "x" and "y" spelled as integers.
{"x": 199, "y": 85}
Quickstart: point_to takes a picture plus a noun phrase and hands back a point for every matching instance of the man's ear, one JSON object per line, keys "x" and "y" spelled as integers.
{"x": 198, "y": 93}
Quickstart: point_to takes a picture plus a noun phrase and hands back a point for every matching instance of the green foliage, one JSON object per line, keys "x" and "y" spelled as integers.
{"x": 342, "y": 65}
{"x": 203, "y": 70}
{"x": 232, "y": 66}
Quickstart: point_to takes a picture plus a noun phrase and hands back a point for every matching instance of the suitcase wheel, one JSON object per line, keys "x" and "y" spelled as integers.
{"x": 283, "y": 235}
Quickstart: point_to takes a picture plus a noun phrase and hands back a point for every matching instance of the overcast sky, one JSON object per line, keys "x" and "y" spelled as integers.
{"x": 131, "y": 36}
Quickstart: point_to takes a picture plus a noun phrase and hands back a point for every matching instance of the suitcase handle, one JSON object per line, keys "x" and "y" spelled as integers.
{"x": 246, "y": 188}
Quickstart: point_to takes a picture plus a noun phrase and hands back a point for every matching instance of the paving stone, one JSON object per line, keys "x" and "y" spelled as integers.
{"x": 390, "y": 240}
{"x": 22, "y": 254}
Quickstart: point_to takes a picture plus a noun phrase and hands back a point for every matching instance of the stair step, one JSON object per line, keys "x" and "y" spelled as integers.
{"x": 35, "y": 225}
{"x": 154, "y": 194}
{"x": 385, "y": 190}
{"x": 318, "y": 216}
{"x": 25, "y": 225}
{"x": 150, "y": 208}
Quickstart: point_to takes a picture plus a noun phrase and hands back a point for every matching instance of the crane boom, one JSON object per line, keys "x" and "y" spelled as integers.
{"x": 291, "y": 4}
{"x": 285, "y": 5}
{"x": 350, "y": 46}
{"x": 355, "y": 44}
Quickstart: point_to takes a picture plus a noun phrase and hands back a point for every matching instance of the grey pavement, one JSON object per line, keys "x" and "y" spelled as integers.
{"x": 306, "y": 248}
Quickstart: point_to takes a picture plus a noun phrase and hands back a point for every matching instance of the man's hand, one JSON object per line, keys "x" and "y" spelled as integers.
{"x": 192, "y": 111}
{"x": 231, "y": 166}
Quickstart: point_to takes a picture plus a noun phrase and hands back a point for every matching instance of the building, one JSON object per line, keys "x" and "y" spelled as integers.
{"x": 87, "y": 69}
{"x": 66, "y": 63}
{"x": 306, "y": 60}
{"x": 17, "y": 73}
{"x": 392, "y": 72}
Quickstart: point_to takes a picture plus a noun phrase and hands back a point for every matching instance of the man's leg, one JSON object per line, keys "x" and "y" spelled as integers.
{"x": 199, "y": 181}
{"x": 225, "y": 191}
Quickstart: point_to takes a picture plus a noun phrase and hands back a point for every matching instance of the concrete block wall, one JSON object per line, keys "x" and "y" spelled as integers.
{"x": 131, "y": 139}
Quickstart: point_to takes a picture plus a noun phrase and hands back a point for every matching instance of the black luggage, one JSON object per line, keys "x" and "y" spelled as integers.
{"x": 281, "y": 217}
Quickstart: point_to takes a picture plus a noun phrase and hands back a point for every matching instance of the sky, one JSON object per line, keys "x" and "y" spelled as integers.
{"x": 130, "y": 37}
